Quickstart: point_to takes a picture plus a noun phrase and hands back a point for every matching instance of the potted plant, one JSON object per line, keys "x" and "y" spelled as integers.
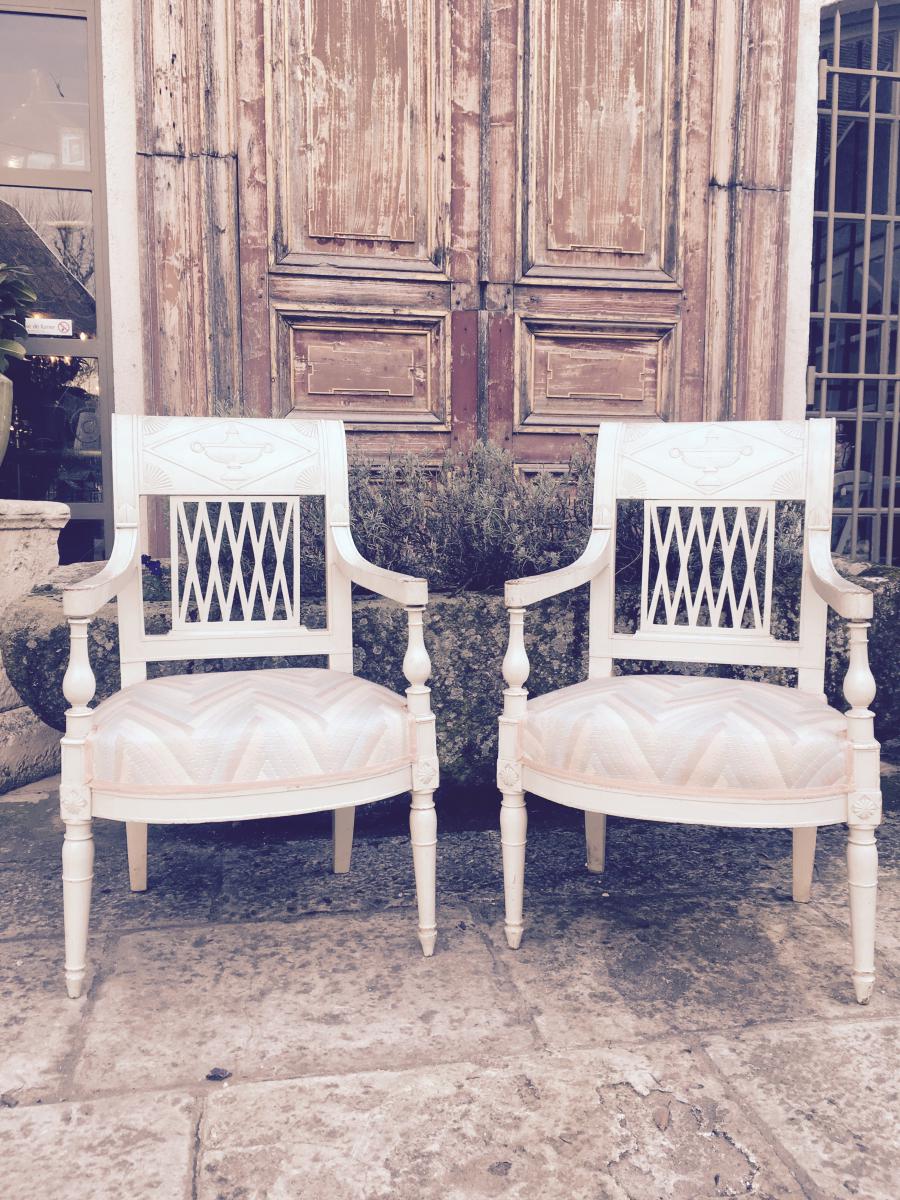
{"x": 16, "y": 297}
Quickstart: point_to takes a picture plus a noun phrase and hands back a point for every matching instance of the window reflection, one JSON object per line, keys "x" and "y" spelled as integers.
{"x": 51, "y": 232}
{"x": 54, "y": 450}
{"x": 43, "y": 92}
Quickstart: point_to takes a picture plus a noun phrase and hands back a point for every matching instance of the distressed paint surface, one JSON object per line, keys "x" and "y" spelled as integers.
{"x": 384, "y": 369}
{"x": 597, "y": 77}
{"x": 358, "y": 133}
{"x": 445, "y": 218}
{"x": 573, "y": 375}
{"x": 597, "y": 100}
{"x": 356, "y": 71}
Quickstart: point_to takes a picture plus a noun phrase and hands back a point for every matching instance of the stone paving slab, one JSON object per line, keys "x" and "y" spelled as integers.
{"x": 614, "y": 1126}
{"x": 127, "y": 1148}
{"x": 39, "y": 1024}
{"x": 642, "y": 967}
{"x": 833, "y": 1101}
{"x": 280, "y": 880}
{"x": 185, "y": 878}
{"x": 331, "y": 993}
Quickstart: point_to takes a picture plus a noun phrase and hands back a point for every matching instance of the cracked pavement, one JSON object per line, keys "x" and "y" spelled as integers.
{"x": 675, "y": 1028}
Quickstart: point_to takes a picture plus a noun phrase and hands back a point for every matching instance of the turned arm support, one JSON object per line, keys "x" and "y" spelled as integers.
{"x": 859, "y": 685}
{"x": 86, "y": 597}
{"x": 596, "y": 558}
{"x": 856, "y": 605}
{"x": 78, "y": 688}
{"x": 515, "y": 666}
{"x": 405, "y": 589}
{"x": 847, "y": 599}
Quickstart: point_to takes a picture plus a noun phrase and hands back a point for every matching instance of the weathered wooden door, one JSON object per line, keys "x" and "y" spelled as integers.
{"x": 512, "y": 218}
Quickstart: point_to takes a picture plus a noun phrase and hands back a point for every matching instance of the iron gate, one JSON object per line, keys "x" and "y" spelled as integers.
{"x": 854, "y": 369}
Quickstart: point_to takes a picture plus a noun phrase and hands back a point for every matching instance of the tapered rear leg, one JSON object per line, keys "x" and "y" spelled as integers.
{"x": 342, "y": 837}
{"x": 595, "y": 836}
{"x": 804, "y": 861}
{"x": 136, "y": 839}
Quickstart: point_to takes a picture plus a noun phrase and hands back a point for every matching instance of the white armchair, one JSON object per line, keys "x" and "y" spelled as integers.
{"x": 698, "y": 749}
{"x": 225, "y": 746}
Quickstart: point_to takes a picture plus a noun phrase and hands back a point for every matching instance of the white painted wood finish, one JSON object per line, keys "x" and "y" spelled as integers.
{"x": 233, "y": 489}
{"x": 708, "y": 491}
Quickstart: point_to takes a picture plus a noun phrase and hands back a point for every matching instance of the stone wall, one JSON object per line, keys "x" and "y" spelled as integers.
{"x": 466, "y": 637}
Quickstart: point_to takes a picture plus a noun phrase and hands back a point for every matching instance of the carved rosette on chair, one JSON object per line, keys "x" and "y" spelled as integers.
{"x": 236, "y": 745}
{"x": 695, "y": 749}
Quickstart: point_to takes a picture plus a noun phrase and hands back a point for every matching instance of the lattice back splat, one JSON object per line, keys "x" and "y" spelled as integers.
{"x": 708, "y": 565}
{"x": 239, "y": 495}
{"x": 238, "y": 560}
{"x": 711, "y": 497}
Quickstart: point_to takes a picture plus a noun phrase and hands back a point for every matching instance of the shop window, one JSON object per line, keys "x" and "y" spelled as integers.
{"x": 52, "y": 224}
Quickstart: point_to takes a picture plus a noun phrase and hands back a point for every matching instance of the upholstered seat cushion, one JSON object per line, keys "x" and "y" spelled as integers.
{"x": 682, "y": 734}
{"x": 227, "y": 730}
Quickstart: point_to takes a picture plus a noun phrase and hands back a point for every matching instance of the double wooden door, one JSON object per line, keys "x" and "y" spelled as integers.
{"x": 505, "y": 218}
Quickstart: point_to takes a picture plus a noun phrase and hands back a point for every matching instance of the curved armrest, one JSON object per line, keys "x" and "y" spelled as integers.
{"x": 83, "y": 599}
{"x": 846, "y": 598}
{"x": 596, "y": 558}
{"x": 405, "y": 589}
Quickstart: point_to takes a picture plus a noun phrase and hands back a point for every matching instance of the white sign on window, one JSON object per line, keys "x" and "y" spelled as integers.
{"x": 73, "y": 148}
{"x": 48, "y": 326}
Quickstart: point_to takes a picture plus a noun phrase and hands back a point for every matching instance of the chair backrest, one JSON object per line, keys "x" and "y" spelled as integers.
{"x": 234, "y": 489}
{"x": 709, "y": 494}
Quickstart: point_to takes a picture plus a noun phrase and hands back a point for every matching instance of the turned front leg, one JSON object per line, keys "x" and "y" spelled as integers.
{"x": 863, "y": 811}
{"x": 513, "y": 814}
{"x": 423, "y": 836}
{"x": 862, "y": 874}
{"x": 513, "y": 837}
{"x": 78, "y": 875}
{"x": 425, "y": 779}
{"x": 75, "y": 808}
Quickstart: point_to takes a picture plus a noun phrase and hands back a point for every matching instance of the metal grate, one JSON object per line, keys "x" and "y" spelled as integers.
{"x": 854, "y": 368}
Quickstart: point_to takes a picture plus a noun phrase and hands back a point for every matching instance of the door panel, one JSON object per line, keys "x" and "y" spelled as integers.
{"x": 592, "y": 303}
{"x": 359, "y": 235}
{"x": 359, "y": 137}
{"x": 598, "y": 78}
{"x": 575, "y": 372}
{"x": 512, "y": 218}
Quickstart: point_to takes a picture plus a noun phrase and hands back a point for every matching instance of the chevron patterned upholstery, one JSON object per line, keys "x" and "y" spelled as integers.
{"x": 227, "y": 730}
{"x": 680, "y": 733}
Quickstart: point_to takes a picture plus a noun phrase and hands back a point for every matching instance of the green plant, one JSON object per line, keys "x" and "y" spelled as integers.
{"x": 16, "y": 298}
{"x": 474, "y": 520}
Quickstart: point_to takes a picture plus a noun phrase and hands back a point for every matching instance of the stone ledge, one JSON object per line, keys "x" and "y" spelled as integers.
{"x": 33, "y": 514}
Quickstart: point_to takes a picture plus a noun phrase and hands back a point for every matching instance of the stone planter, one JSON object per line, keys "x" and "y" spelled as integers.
{"x": 6, "y": 403}
{"x": 29, "y": 530}
{"x": 466, "y": 638}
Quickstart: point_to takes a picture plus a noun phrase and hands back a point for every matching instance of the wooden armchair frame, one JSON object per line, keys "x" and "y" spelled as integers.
{"x": 253, "y": 465}
{"x": 719, "y": 467}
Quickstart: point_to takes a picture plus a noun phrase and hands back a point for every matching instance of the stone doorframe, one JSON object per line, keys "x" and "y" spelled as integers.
{"x": 803, "y": 178}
